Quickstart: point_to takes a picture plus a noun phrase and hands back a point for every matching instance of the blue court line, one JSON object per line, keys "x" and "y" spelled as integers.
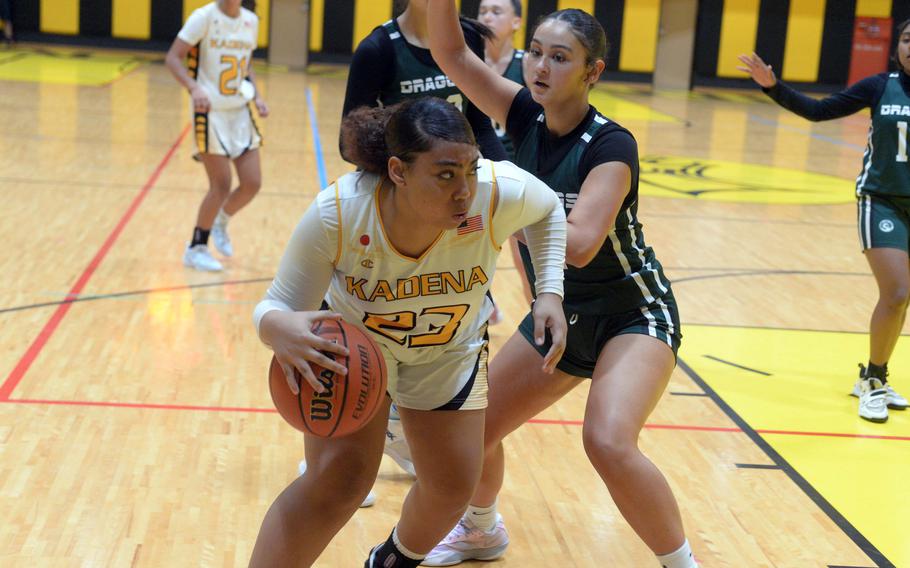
{"x": 822, "y": 137}
{"x": 317, "y": 145}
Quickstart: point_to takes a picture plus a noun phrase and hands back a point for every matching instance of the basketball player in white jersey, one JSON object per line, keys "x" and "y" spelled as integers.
{"x": 406, "y": 249}
{"x": 217, "y": 41}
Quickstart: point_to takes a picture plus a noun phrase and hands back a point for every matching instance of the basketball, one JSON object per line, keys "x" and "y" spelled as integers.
{"x": 349, "y": 402}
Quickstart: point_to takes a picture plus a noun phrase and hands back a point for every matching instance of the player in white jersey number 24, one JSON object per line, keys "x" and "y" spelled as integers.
{"x": 217, "y": 43}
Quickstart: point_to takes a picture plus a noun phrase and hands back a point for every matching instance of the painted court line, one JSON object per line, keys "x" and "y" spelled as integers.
{"x": 317, "y": 144}
{"x": 543, "y": 421}
{"x": 738, "y": 366}
{"x": 9, "y": 385}
{"x": 811, "y": 492}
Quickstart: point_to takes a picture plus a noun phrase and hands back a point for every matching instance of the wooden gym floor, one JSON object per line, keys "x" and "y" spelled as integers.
{"x": 135, "y": 423}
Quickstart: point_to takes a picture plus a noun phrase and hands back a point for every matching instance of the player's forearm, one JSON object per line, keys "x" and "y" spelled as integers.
{"x": 178, "y": 70}
{"x": 547, "y": 244}
{"x": 447, "y": 41}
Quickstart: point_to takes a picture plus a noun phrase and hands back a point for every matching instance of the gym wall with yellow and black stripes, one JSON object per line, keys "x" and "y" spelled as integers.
{"x": 336, "y": 26}
{"x": 151, "y": 23}
{"x": 809, "y": 41}
{"x": 805, "y": 41}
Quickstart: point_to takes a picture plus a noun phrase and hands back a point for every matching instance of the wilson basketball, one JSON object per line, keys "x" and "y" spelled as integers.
{"x": 349, "y": 402}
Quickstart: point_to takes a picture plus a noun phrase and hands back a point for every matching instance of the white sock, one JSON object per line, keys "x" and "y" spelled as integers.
{"x": 222, "y": 218}
{"x": 483, "y": 518}
{"x": 681, "y": 558}
{"x": 403, "y": 549}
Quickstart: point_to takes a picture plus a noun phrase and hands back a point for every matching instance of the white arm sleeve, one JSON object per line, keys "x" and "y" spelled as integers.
{"x": 306, "y": 269}
{"x": 194, "y": 29}
{"x": 526, "y": 202}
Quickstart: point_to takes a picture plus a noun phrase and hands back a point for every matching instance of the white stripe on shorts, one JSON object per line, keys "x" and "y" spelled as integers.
{"x": 652, "y": 325}
{"x": 666, "y": 311}
{"x": 867, "y": 221}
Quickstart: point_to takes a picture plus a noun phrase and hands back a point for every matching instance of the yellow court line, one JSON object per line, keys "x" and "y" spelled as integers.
{"x": 624, "y": 111}
{"x": 57, "y": 68}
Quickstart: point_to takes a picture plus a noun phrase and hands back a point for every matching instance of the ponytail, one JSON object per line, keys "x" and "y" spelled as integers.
{"x": 363, "y": 139}
{"x": 370, "y": 136}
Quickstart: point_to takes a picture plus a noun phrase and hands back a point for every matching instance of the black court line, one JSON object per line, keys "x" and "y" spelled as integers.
{"x": 743, "y": 367}
{"x": 133, "y": 293}
{"x": 757, "y": 466}
{"x": 675, "y": 393}
{"x": 741, "y": 269}
{"x": 777, "y": 328}
{"x": 770, "y": 273}
{"x": 54, "y": 184}
{"x": 12, "y": 58}
{"x": 839, "y": 566}
{"x": 754, "y": 220}
{"x": 857, "y": 537}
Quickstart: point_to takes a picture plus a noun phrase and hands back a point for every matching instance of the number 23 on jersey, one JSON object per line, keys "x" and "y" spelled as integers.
{"x": 396, "y": 325}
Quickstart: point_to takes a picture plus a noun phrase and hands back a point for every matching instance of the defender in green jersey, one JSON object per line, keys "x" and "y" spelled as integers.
{"x": 623, "y": 323}
{"x": 883, "y": 202}
{"x": 392, "y": 64}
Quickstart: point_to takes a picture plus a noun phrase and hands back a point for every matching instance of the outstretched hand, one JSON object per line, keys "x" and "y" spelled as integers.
{"x": 760, "y": 71}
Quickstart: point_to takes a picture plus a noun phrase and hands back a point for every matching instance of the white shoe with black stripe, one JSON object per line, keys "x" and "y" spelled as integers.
{"x": 873, "y": 400}
{"x": 892, "y": 398}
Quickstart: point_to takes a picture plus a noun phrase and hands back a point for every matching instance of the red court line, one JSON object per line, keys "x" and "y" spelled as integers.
{"x": 12, "y": 381}
{"x": 681, "y": 427}
{"x": 139, "y": 405}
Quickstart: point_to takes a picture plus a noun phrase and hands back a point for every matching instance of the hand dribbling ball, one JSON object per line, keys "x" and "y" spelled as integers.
{"x": 349, "y": 401}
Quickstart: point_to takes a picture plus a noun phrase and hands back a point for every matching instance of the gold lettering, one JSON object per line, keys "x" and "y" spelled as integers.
{"x": 450, "y": 283}
{"x": 382, "y": 289}
{"x": 408, "y": 288}
{"x": 430, "y": 284}
{"x": 356, "y": 288}
{"x": 477, "y": 277}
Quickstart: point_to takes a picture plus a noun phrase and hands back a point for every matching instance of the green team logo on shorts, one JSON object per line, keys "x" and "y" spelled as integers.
{"x": 717, "y": 180}
{"x": 886, "y": 225}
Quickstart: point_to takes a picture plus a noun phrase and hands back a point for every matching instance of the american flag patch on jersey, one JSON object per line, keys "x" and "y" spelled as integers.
{"x": 471, "y": 224}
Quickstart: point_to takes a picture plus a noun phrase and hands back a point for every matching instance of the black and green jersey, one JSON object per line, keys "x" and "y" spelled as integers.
{"x": 625, "y": 274}
{"x": 414, "y": 78}
{"x": 386, "y": 69}
{"x": 885, "y": 167}
{"x": 513, "y": 73}
{"x": 885, "y": 170}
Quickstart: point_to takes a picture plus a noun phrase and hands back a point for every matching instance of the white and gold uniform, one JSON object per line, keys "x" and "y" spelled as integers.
{"x": 428, "y": 314}
{"x": 218, "y": 61}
